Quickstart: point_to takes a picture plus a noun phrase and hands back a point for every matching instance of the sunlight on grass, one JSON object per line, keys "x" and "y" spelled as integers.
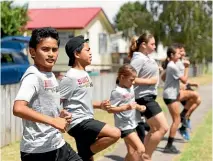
{"x": 200, "y": 146}
{"x": 11, "y": 152}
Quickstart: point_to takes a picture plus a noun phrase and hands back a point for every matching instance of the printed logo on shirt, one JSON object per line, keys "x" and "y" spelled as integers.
{"x": 128, "y": 96}
{"x": 49, "y": 86}
{"x": 84, "y": 82}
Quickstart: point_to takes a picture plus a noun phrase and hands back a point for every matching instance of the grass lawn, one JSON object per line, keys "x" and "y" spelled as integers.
{"x": 200, "y": 146}
{"x": 11, "y": 152}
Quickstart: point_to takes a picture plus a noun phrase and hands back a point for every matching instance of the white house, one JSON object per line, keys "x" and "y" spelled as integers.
{"x": 69, "y": 22}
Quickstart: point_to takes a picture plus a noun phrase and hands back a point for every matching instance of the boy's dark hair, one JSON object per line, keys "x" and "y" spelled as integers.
{"x": 75, "y": 44}
{"x": 40, "y": 33}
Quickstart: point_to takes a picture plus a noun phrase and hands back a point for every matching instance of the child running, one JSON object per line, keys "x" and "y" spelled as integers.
{"x": 171, "y": 93}
{"x": 91, "y": 136}
{"x": 38, "y": 103}
{"x": 126, "y": 112}
{"x": 146, "y": 90}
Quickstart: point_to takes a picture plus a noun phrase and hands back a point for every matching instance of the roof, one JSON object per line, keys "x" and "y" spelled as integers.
{"x": 62, "y": 18}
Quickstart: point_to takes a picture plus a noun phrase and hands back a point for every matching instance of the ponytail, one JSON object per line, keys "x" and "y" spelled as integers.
{"x": 165, "y": 63}
{"x": 133, "y": 47}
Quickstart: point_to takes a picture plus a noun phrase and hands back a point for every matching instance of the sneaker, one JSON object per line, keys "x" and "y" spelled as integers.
{"x": 172, "y": 150}
{"x": 184, "y": 134}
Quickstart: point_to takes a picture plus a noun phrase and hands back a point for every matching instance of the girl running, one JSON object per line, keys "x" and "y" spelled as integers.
{"x": 91, "y": 136}
{"x": 126, "y": 112}
{"x": 171, "y": 93}
{"x": 146, "y": 90}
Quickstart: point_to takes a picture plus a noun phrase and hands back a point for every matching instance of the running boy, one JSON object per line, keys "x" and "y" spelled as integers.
{"x": 38, "y": 102}
{"x": 92, "y": 136}
{"x": 126, "y": 112}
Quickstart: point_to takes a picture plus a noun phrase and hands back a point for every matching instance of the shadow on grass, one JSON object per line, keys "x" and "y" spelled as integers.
{"x": 175, "y": 140}
{"x": 115, "y": 157}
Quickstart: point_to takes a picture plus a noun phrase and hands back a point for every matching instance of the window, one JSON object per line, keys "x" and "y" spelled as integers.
{"x": 102, "y": 43}
{"x": 64, "y": 37}
{"x": 6, "y": 58}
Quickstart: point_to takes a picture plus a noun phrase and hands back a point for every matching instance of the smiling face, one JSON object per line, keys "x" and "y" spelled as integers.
{"x": 176, "y": 55}
{"x": 45, "y": 54}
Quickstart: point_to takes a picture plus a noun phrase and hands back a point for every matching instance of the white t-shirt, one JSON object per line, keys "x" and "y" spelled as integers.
{"x": 172, "y": 84}
{"x": 146, "y": 67}
{"x": 129, "y": 119}
{"x": 76, "y": 92}
{"x": 40, "y": 90}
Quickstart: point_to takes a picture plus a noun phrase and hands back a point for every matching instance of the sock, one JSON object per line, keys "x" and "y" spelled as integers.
{"x": 183, "y": 113}
{"x": 170, "y": 141}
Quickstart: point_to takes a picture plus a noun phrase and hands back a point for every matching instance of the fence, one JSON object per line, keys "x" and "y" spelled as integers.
{"x": 11, "y": 126}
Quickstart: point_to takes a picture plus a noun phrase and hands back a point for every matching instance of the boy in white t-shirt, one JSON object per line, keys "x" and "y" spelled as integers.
{"x": 91, "y": 136}
{"x": 38, "y": 103}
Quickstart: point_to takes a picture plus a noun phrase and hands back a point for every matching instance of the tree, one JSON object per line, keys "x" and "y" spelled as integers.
{"x": 187, "y": 22}
{"x": 133, "y": 18}
{"x": 13, "y": 18}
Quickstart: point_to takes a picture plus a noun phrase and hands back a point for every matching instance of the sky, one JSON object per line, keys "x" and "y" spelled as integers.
{"x": 110, "y": 7}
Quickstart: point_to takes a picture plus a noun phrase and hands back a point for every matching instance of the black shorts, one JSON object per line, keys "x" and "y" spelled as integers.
{"x": 125, "y": 133}
{"x": 169, "y": 101}
{"x": 152, "y": 107}
{"x": 65, "y": 153}
{"x": 85, "y": 134}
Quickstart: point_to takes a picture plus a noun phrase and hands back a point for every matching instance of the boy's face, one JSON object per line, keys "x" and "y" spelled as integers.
{"x": 85, "y": 56}
{"x": 45, "y": 54}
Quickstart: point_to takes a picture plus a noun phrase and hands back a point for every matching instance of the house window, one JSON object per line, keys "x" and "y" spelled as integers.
{"x": 102, "y": 43}
{"x": 64, "y": 37}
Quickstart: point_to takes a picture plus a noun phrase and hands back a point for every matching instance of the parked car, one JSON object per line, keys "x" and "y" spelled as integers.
{"x": 15, "y": 42}
{"x": 13, "y": 65}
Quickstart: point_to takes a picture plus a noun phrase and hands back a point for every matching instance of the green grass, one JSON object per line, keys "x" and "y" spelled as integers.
{"x": 11, "y": 152}
{"x": 200, "y": 146}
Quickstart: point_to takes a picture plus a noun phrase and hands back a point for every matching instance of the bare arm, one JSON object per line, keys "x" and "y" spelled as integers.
{"x": 163, "y": 76}
{"x": 184, "y": 78}
{"x": 101, "y": 104}
{"x": 20, "y": 109}
{"x": 147, "y": 81}
{"x": 118, "y": 109}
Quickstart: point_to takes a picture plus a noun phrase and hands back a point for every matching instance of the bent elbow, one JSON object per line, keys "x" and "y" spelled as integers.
{"x": 16, "y": 110}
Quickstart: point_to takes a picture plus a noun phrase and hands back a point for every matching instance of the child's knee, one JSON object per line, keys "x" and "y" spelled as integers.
{"x": 116, "y": 134}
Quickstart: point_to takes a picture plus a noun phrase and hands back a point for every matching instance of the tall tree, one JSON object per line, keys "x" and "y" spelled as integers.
{"x": 13, "y": 18}
{"x": 187, "y": 22}
{"x": 133, "y": 18}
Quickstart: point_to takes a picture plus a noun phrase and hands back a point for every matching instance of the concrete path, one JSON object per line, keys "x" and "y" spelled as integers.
{"x": 196, "y": 119}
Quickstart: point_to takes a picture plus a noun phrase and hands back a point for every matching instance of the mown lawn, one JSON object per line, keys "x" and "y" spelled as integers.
{"x": 200, "y": 146}
{"x": 11, "y": 152}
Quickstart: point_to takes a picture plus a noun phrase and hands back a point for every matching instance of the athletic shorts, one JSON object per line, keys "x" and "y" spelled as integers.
{"x": 85, "y": 134}
{"x": 152, "y": 107}
{"x": 169, "y": 101}
{"x": 125, "y": 133}
{"x": 65, "y": 153}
